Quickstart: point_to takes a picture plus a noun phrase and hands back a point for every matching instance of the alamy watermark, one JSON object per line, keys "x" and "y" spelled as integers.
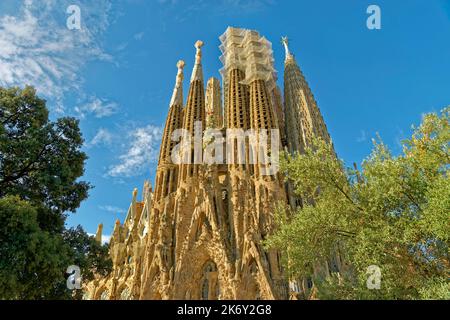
{"x": 255, "y": 147}
{"x": 73, "y": 22}
{"x": 374, "y": 20}
{"x": 374, "y": 280}
{"x": 74, "y": 280}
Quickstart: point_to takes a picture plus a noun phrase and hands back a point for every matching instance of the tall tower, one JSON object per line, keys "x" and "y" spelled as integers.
{"x": 249, "y": 80}
{"x": 194, "y": 118}
{"x": 214, "y": 114}
{"x": 167, "y": 172}
{"x": 303, "y": 118}
{"x": 260, "y": 78}
{"x": 279, "y": 113}
{"x": 304, "y": 122}
{"x": 236, "y": 97}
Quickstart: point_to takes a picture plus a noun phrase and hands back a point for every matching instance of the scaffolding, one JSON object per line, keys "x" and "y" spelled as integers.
{"x": 249, "y": 52}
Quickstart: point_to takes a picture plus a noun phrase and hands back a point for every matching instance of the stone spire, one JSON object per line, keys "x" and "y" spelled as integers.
{"x": 195, "y": 104}
{"x": 197, "y": 72}
{"x": 302, "y": 114}
{"x": 236, "y": 109}
{"x": 174, "y": 118}
{"x": 116, "y": 230}
{"x": 194, "y": 117}
{"x": 166, "y": 173}
{"x": 285, "y": 42}
{"x": 98, "y": 234}
{"x": 177, "y": 96}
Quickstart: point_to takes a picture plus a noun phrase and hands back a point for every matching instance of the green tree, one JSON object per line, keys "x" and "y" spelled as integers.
{"x": 92, "y": 257}
{"x": 40, "y": 160}
{"x": 394, "y": 214}
{"x": 32, "y": 261}
{"x": 40, "y": 166}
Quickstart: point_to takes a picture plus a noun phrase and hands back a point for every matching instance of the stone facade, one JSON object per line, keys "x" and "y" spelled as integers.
{"x": 199, "y": 234}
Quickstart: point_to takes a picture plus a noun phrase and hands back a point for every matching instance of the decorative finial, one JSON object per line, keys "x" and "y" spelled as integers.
{"x": 177, "y": 96}
{"x": 135, "y": 192}
{"x": 180, "y": 65}
{"x": 197, "y": 73}
{"x": 285, "y": 42}
{"x": 198, "y": 56}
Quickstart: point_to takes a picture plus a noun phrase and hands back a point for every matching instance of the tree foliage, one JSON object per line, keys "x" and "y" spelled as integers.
{"x": 32, "y": 260}
{"x": 40, "y": 160}
{"x": 393, "y": 213}
{"x": 40, "y": 166}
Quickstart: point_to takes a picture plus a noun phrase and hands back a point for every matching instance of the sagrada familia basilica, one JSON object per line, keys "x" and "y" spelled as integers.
{"x": 198, "y": 234}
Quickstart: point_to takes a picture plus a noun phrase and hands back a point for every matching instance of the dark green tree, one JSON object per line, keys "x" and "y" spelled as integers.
{"x": 40, "y": 165}
{"x": 393, "y": 213}
{"x": 40, "y": 160}
{"x": 32, "y": 261}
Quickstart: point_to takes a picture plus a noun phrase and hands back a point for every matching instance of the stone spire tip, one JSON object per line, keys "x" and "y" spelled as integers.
{"x": 177, "y": 96}
{"x": 285, "y": 42}
{"x": 180, "y": 64}
{"x": 199, "y": 44}
{"x": 197, "y": 73}
{"x": 198, "y": 56}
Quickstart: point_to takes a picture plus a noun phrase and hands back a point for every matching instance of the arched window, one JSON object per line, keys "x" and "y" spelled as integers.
{"x": 253, "y": 270}
{"x": 210, "y": 267}
{"x": 309, "y": 283}
{"x": 258, "y": 294}
{"x": 209, "y": 289}
{"x": 205, "y": 289}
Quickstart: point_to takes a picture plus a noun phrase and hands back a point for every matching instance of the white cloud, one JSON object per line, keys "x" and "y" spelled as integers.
{"x": 102, "y": 137}
{"x": 139, "y": 36}
{"x": 36, "y": 47}
{"x": 362, "y": 137}
{"x": 105, "y": 238}
{"x": 112, "y": 209}
{"x": 142, "y": 148}
{"x": 100, "y": 108}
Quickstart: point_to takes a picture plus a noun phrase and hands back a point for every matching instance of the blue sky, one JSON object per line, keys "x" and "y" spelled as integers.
{"x": 117, "y": 73}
